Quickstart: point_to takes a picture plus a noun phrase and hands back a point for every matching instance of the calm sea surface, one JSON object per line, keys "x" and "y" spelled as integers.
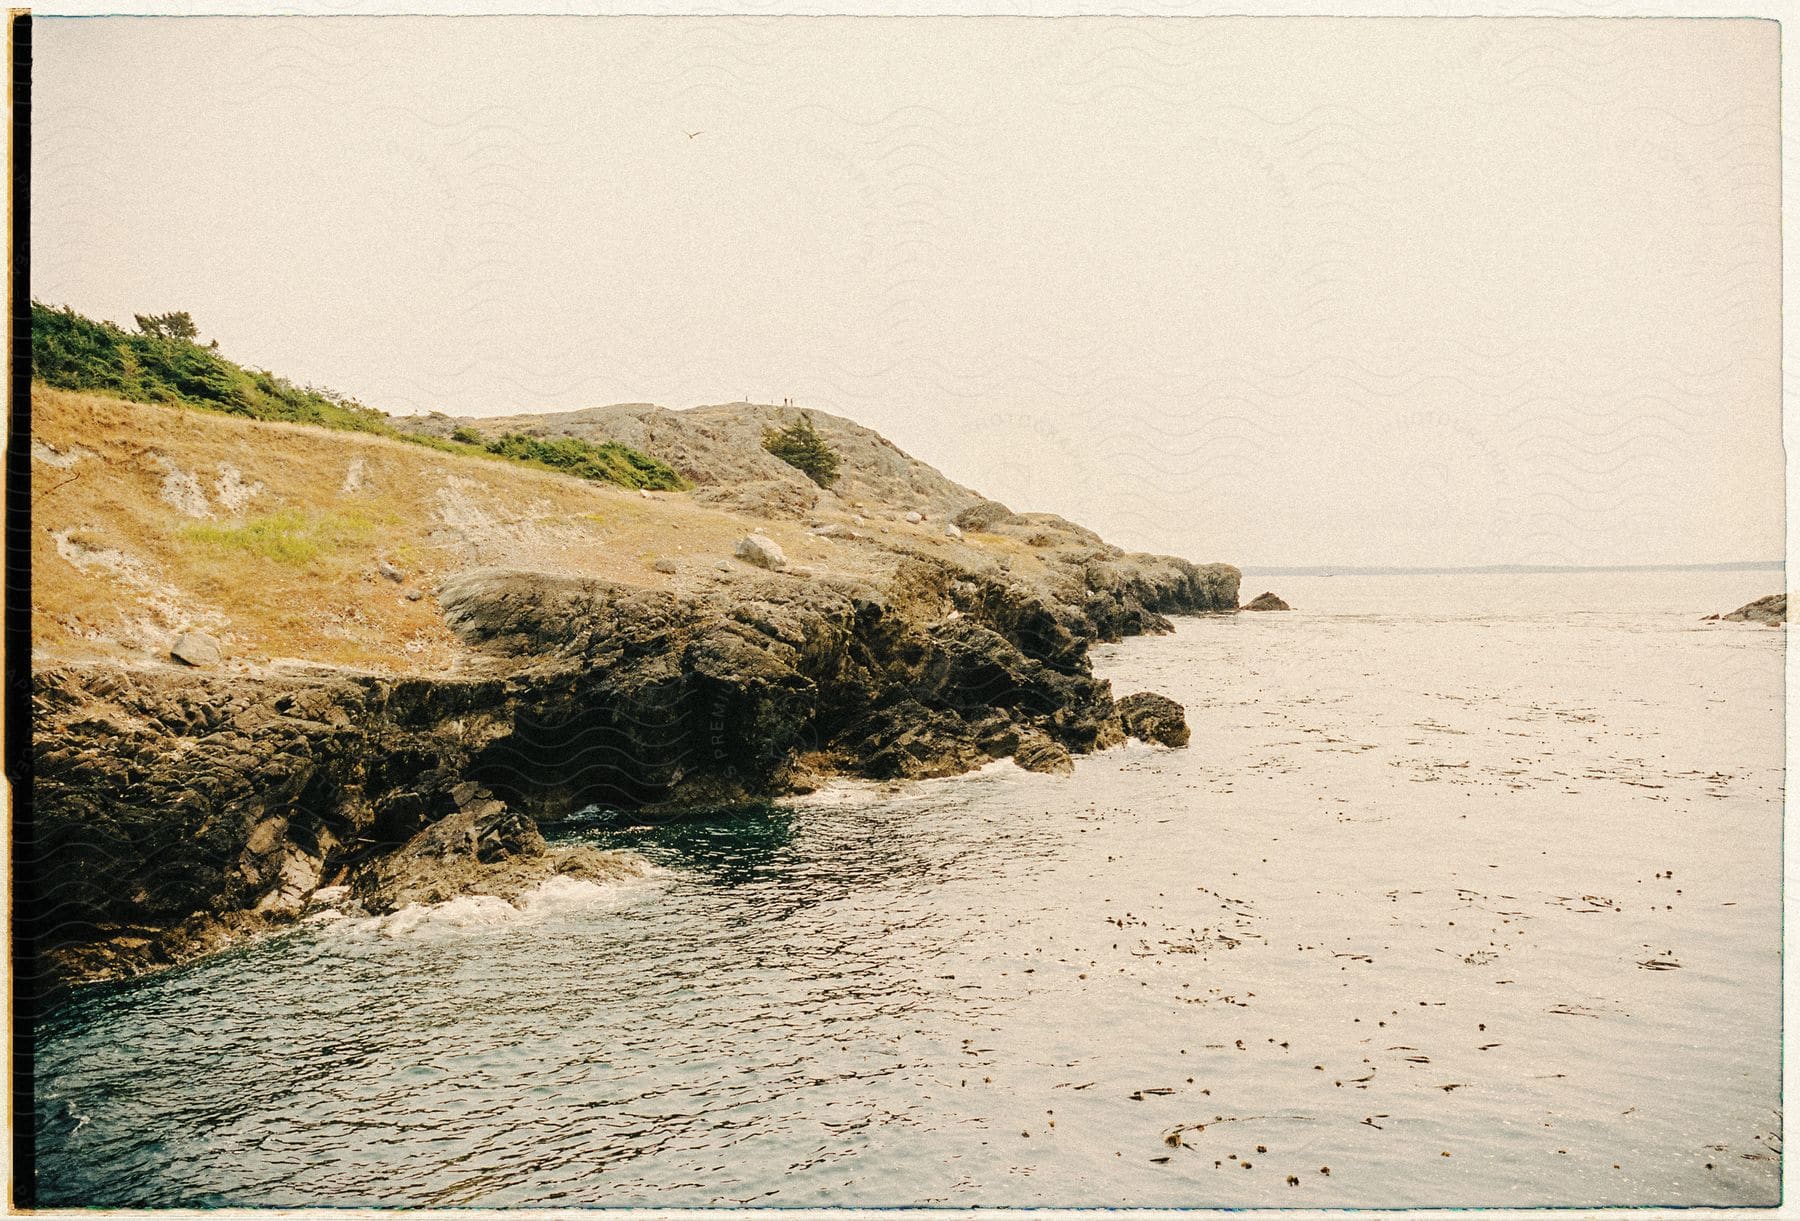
{"x": 1466, "y": 892}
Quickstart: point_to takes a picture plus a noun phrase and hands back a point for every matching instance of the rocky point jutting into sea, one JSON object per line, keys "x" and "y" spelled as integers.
{"x": 421, "y": 655}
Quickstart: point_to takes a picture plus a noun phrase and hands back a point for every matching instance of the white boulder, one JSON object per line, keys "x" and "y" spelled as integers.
{"x": 762, "y": 551}
{"x": 195, "y": 649}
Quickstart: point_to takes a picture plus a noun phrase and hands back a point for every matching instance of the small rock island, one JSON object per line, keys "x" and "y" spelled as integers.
{"x": 1770, "y": 612}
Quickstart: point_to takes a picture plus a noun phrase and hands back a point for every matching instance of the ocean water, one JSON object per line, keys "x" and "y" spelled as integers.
{"x": 1467, "y": 892}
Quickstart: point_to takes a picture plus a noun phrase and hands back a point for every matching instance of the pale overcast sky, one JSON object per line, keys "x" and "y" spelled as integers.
{"x": 1268, "y": 291}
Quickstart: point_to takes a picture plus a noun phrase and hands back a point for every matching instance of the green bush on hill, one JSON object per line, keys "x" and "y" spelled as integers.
{"x": 605, "y": 461}
{"x": 162, "y": 362}
{"x": 608, "y": 461}
{"x": 801, "y": 447}
{"x": 176, "y": 325}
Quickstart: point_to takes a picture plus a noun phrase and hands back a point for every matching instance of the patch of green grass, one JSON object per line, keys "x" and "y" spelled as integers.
{"x": 286, "y": 537}
{"x": 162, "y": 362}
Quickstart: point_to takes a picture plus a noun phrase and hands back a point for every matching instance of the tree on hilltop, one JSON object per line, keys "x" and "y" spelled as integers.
{"x": 178, "y": 324}
{"x": 801, "y": 447}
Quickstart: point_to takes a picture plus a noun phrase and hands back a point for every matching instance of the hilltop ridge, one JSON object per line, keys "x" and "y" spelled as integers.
{"x": 719, "y": 449}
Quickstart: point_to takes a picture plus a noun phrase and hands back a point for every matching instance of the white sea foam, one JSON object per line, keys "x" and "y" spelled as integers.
{"x": 556, "y": 896}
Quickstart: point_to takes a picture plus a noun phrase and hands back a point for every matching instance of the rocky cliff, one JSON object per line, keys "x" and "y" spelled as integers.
{"x": 177, "y": 807}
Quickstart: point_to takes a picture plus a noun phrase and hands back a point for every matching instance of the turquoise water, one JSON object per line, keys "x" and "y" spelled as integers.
{"x": 1405, "y": 896}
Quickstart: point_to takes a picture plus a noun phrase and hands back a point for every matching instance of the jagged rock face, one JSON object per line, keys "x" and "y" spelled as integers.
{"x": 483, "y": 848}
{"x": 1771, "y": 611}
{"x": 1037, "y": 753}
{"x": 1128, "y": 593}
{"x": 173, "y": 804}
{"x": 710, "y": 696}
{"x": 160, "y": 794}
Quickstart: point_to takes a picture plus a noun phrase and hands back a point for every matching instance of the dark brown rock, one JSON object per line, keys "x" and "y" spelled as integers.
{"x": 1266, "y": 602}
{"x": 1037, "y": 753}
{"x": 483, "y": 848}
{"x": 1154, "y": 718}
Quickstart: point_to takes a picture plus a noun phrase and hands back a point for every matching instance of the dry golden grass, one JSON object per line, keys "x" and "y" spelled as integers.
{"x": 291, "y": 571}
{"x": 152, "y": 520}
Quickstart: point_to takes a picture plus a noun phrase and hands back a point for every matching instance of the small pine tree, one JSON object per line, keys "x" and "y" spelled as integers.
{"x": 177, "y": 325}
{"x": 801, "y": 447}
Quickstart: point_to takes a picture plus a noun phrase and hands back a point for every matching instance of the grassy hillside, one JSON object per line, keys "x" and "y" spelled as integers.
{"x": 291, "y": 541}
{"x": 280, "y": 538}
{"x": 164, "y": 363}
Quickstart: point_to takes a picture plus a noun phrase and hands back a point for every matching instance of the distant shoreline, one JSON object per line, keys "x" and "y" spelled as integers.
{"x": 1322, "y": 570}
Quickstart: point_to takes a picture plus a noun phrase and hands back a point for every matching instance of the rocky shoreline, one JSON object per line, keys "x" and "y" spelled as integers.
{"x": 178, "y": 810}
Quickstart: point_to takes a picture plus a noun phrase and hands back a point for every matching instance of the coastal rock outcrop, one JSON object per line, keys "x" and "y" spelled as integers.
{"x": 548, "y": 647}
{"x": 482, "y": 848}
{"x": 1150, "y": 717}
{"x": 1770, "y": 611}
{"x": 1266, "y": 602}
{"x": 171, "y": 802}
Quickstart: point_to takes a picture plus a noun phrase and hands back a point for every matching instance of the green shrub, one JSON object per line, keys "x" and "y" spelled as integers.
{"x": 801, "y": 447}
{"x": 161, "y": 363}
{"x": 608, "y": 461}
{"x": 168, "y": 326}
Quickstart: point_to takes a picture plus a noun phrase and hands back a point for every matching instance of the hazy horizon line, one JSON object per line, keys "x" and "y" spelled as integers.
{"x": 1367, "y": 570}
